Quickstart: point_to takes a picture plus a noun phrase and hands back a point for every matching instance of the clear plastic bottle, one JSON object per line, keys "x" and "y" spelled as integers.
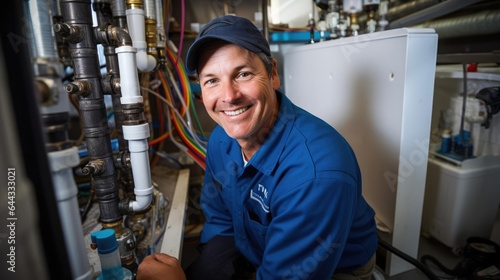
{"x": 107, "y": 248}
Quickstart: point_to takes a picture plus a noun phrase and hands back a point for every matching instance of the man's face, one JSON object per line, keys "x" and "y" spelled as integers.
{"x": 237, "y": 92}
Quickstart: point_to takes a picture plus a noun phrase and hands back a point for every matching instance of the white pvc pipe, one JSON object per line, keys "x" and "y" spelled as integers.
{"x": 136, "y": 135}
{"x": 138, "y": 147}
{"x": 129, "y": 81}
{"x": 61, "y": 163}
{"x": 137, "y": 31}
{"x": 475, "y": 119}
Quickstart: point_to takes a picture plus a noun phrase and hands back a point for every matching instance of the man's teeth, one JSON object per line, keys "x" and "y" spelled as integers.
{"x": 236, "y": 112}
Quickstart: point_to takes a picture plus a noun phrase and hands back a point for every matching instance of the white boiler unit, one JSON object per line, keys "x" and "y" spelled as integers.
{"x": 377, "y": 91}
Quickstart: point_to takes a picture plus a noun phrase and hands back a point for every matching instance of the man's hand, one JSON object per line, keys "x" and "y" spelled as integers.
{"x": 160, "y": 266}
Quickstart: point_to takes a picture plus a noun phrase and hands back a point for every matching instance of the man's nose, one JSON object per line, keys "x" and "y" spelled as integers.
{"x": 230, "y": 92}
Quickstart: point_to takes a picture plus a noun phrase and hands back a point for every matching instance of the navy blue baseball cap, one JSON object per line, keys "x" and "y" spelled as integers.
{"x": 232, "y": 29}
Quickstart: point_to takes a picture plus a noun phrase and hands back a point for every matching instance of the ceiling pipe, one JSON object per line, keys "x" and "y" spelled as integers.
{"x": 480, "y": 23}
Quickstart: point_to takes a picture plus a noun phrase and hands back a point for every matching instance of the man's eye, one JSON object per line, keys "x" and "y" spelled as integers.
{"x": 243, "y": 75}
{"x": 210, "y": 82}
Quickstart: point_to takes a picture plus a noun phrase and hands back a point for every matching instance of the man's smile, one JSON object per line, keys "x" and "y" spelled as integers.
{"x": 236, "y": 112}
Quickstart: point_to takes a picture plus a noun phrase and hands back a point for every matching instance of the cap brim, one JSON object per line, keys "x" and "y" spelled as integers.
{"x": 193, "y": 51}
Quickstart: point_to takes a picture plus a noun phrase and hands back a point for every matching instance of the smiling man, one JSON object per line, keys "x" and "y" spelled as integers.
{"x": 239, "y": 93}
{"x": 282, "y": 191}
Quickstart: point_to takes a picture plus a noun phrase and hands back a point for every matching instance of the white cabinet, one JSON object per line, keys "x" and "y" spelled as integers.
{"x": 377, "y": 91}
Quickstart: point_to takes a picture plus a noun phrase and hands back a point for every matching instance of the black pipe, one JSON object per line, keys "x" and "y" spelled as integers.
{"x": 93, "y": 117}
{"x": 109, "y": 37}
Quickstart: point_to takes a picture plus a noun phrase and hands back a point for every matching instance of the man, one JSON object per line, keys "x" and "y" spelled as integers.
{"x": 282, "y": 189}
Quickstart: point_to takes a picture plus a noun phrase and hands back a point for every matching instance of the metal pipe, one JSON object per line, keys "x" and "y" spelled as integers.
{"x": 149, "y": 9}
{"x": 93, "y": 117}
{"x": 111, "y": 36}
{"x": 265, "y": 19}
{"x": 118, "y": 9}
{"x": 62, "y": 46}
{"x": 160, "y": 25}
{"x": 102, "y": 9}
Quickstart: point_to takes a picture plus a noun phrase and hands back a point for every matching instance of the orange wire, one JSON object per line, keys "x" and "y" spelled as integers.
{"x": 162, "y": 122}
{"x": 191, "y": 149}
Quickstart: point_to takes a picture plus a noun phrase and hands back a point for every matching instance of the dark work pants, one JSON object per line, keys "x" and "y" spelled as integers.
{"x": 219, "y": 259}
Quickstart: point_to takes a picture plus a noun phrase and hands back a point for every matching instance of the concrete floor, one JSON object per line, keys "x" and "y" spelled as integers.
{"x": 445, "y": 255}
{"x": 427, "y": 246}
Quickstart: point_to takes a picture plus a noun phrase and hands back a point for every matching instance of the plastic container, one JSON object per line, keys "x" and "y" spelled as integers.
{"x": 461, "y": 201}
{"x": 109, "y": 256}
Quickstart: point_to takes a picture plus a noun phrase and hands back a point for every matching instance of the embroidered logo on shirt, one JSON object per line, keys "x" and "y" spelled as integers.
{"x": 260, "y": 196}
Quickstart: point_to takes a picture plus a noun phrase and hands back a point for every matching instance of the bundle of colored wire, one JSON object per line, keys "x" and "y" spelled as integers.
{"x": 191, "y": 142}
{"x": 186, "y": 89}
{"x": 195, "y": 146}
{"x": 183, "y": 78}
{"x": 178, "y": 118}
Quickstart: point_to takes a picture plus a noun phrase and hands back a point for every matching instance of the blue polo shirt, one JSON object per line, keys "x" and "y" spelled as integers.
{"x": 295, "y": 210}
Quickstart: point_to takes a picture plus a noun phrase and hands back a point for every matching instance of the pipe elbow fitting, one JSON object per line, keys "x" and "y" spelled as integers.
{"x": 143, "y": 198}
{"x": 146, "y": 62}
{"x": 138, "y": 147}
{"x": 122, "y": 36}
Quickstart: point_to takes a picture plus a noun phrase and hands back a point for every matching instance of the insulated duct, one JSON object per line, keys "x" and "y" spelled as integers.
{"x": 410, "y": 7}
{"x": 481, "y": 23}
{"x": 48, "y": 70}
